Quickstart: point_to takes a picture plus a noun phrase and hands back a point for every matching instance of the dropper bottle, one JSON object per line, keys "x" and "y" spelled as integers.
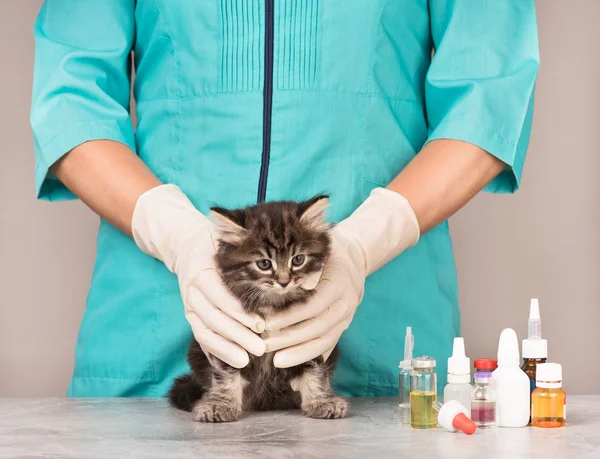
{"x": 404, "y": 378}
{"x": 535, "y": 349}
{"x": 510, "y": 384}
{"x": 459, "y": 376}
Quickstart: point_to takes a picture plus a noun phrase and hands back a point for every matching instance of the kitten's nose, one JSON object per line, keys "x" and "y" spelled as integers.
{"x": 284, "y": 284}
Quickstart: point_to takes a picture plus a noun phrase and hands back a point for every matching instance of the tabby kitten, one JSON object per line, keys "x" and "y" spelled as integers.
{"x": 271, "y": 257}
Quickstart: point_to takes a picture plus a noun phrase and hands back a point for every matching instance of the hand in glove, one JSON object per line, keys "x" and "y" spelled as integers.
{"x": 379, "y": 230}
{"x": 167, "y": 226}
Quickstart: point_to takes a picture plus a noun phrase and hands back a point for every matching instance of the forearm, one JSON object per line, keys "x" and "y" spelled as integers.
{"x": 443, "y": 177}
{"x": 108, "y": 177}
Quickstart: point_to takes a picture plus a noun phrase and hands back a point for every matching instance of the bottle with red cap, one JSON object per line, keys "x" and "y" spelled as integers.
{"x": 485, "y": 365}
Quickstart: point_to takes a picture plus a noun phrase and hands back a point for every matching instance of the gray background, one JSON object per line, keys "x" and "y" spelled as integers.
{"x": 543, "y": 242}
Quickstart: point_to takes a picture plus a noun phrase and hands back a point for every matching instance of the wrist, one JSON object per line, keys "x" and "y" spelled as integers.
{"x": 163, "y": 218}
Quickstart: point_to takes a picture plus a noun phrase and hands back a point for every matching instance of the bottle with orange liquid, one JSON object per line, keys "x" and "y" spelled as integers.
{"x": 548, "y": 400}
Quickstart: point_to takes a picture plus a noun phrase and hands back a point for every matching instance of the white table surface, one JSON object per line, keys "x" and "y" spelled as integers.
{"x": 148, "y": 428}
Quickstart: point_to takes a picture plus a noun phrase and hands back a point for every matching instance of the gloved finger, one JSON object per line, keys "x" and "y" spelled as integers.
{"x": 307, "y": 330}
{"x": 220, "y": 323}
{"x": 325, "y": 296}
{"x": 209, "y": 341}
{"x": 209, "y": 282}
{"x": 304, "y": 352}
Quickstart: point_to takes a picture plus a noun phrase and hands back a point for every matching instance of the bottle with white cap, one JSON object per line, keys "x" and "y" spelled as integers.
{"x": 535, "y": 349}
{"x": 459, "y": 386}
{"x": 511, "y": 384}
{"x": 549, "y": 400}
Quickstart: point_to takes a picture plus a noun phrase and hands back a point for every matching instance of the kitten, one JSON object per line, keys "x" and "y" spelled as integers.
{"x": 270, "y": 257}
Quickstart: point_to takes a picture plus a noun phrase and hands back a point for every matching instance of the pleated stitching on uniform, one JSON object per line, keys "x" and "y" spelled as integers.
{"x": 241, "y": 43}
{"x": 296, "y": 38}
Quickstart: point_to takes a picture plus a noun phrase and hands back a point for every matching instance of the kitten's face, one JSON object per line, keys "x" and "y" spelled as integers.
{"x": 271, "y": 255}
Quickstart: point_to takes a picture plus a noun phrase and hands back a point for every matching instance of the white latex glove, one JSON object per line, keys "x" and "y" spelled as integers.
{"x": 167, "y": 226}
{"x": 379, "y": 230}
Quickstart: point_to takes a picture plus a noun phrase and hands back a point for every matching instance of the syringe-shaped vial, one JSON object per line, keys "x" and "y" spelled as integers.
{"x": 404, "y": 377}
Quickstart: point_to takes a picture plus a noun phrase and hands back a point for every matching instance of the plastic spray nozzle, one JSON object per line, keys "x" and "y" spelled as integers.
{"x": 534, "y": 347}
{"x": 453, "y": 416}
{"x": 459, "y": 365}
{"x": 409, "y": 344}
{"x": 534, "y": 325}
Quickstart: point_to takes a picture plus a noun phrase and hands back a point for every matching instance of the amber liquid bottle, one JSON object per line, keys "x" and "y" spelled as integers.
{"x": 529, "y": 366}
{"x": 549, "y": 400}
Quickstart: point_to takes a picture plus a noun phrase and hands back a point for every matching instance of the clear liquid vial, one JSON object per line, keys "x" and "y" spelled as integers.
{"x": 423, "y": 394}
{"x": 404, "y": 378}
{"x": 404, "y": 395}
{"x": 483, "y": 401}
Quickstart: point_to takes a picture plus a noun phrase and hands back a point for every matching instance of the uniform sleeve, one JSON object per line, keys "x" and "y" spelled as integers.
{"x": 481, "y": 81}
{"x": 81, "y": 82}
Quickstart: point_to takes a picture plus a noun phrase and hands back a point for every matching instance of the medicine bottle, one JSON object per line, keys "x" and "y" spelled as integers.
{"x": 404, "y": 378}
{"x": 459, "y": 386}
{"x": 483, "y": 401}
{"x": 511, "y": 384}
{"x": 548, "y": 400}
{"x": 535, "y": 348}
{"x": 423, "y": 394}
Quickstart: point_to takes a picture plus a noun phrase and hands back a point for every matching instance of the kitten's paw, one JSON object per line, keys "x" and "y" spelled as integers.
{"x": 327, "y": 408}
{"x": 215, "y": 412}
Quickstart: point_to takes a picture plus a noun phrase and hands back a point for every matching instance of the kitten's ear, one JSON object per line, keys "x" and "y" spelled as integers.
{"x": 312, "y": 212}
{"x": 229, "y": 230}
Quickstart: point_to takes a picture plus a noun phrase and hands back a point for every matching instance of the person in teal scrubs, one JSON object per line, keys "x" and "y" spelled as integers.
{"x": 245, "y": 101}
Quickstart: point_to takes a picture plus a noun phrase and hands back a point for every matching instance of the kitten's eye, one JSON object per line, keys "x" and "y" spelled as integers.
{"x": 298, "y": 260}
{"x": 263, "y": 264}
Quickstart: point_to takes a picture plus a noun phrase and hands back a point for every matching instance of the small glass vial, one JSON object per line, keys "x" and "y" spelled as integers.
{"x": 423, "y": 394}
{"x": 483, "y": 401}
{"x": 548, "y": 400}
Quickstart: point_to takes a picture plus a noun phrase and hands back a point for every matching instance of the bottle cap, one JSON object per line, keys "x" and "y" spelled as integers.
{"x": 423, "y": 362}
{"x": 459, "y": 365}
{"x": 534, "y": 347}
{"x": 453, "y": 416}
{"x": 485, "y": 364}
{"x": 508, "y": 348}
{"x": 548, "y": 375}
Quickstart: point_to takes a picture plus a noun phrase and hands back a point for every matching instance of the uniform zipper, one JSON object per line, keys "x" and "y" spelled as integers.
{"x": 267, "y": 102}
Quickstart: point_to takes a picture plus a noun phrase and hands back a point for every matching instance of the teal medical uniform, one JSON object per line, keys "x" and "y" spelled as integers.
{"x": 239, "y": 101}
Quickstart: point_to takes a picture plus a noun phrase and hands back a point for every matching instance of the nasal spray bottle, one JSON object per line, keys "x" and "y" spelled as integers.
{"x": 459, "y": 376}
{"x": 404, "y": 377}
{"x": 511, "y": 384}
{"x": 535, "y": 349}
